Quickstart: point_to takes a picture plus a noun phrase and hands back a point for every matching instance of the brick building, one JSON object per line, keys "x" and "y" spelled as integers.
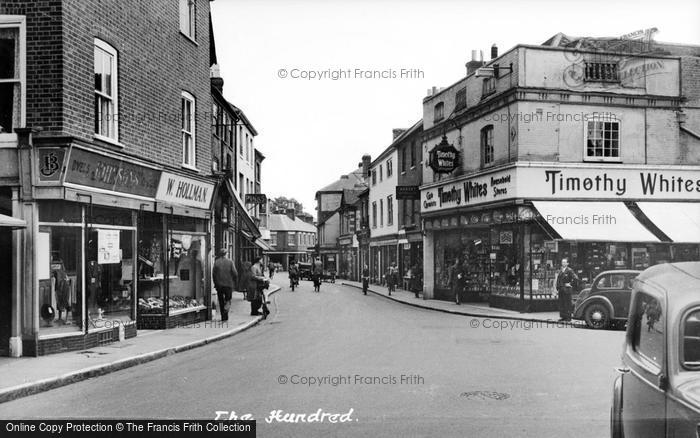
{"x": 106, "y": 158}
{"x": 580, "y": 147}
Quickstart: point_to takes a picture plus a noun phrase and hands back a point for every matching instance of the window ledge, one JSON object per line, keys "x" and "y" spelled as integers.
{"x": 613, "y": 160}
{"x": 192, "y": 40}
{"x": 109, "y": 140}
{"x": 190, "y": 167}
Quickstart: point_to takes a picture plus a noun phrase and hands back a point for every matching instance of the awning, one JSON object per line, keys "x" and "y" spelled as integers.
{"x": 12, "y": 222}
{"x": 262, "y": 245}
{"x": 678, "y": 220}
{"x": 593, "y": 221}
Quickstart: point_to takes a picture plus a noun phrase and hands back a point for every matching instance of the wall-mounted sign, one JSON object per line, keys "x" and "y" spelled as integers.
{"x": 255, "y": 198}
{"x": 444, "y": 157}
{"x": 181, "y": 190}
{"x": 99, "y": 171}
{"x": 407, "y": 192}
{"x": 575, "y": 182}
{"x": 50, "y": 164}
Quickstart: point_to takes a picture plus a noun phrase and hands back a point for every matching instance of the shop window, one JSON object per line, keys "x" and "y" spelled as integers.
{"x": 648, "y": 322}
{"x": 602, "y": 140}
{"x": 151, "y": 265}
{"x": 187, "y": 131}
{"x": 109, "y": 277}
{"x": 188, "y": 15}
{"x": 59, "y": 271}
{"x": 106, "y": 123}
{"x": 12, "y": 81}
{"x": 186, "y": 268}
{"x": 487, "y": 150}
{"x": 691, "y": 341}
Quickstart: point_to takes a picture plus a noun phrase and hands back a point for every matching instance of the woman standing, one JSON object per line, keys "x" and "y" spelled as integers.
{"x": 249, "y": 286}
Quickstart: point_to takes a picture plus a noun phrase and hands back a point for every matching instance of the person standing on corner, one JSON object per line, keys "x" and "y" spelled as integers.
{"x": 225, "y": 276}
{"x": 454, "y": 276}
{"x": 566, "y": 279}
{"x": 317, "y": 273}
{"x": 365, "y": 279}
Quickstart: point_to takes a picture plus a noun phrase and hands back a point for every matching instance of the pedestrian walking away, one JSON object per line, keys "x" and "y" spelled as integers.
{"x": 317, "y": 274}
{"x": 293, "y": 275}
{"x": 225, "y": 277}
{"x": 365, "y": 279}
{"x": 565, "y": 283}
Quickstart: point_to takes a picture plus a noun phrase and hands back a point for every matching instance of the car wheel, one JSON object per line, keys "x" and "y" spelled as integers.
{"x": 597, "y": 316}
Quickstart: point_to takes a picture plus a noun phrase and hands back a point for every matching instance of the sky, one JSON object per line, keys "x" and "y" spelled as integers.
{"x": 279, "y": 59}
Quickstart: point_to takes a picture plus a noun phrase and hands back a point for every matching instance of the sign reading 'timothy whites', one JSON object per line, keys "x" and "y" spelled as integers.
{"x": 184, "y": 191}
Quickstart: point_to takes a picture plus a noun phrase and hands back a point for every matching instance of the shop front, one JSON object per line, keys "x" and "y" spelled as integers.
{"x": 410, "y": 261}
{"x": 118, "y": 245}
{"x": 348, "y": 264}
{"x": 508, "y": 230}
{"x": 383, "y": 253}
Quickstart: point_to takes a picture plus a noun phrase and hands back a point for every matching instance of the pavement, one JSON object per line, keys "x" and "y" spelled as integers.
{"x": 25, "y": 376}
{"x": 478, "y": 310}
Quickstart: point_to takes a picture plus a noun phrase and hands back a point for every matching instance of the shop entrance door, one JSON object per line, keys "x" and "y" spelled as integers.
{"x": 5, "y": 290}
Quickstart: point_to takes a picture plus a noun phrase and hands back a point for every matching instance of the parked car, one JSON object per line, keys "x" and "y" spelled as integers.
{"x": 607, "y": 301}
{"x": 304, "y": 271}
{"x": 657, "y": 393}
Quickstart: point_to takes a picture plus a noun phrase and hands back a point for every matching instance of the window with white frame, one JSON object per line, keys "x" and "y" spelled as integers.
{"x": 602, "y": 139}
{"x": 188, "y": 14}
{"x": 488, "y": 87}
{"x": 106, "y": 123}
{"x": 12, "y": 73}
{"x": 188, "y": 138}
{"x": 291, "y": 239}
{"x": 487, "y": 151}
{"x": 389, "y": 168}
{"x": 390, "y": 210}
{"x": 273, "y": 238}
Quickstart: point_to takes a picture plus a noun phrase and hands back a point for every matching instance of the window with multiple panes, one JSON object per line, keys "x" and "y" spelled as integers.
{"x": 439, "y": 112}
{"x": 374, "y": 214}
{"x": 374, "y": 177}
{"x": 188, "y": 135}
{"x": 601, "y": 71}
{"x": 603, "y": 140}
{"x": 389, "y": 168}
{"x": 291, "y": 239}
{"x": 488, "y": 86}
{"x": 12, "y": 80}
{"x": 389, "y": 210}
{"x": 461, "y": 99}
{"x": 273, "y": 238}
{"x": 188, "y": 14}
{"x": 105, "y": 90}
{"x": 487, "y": 152}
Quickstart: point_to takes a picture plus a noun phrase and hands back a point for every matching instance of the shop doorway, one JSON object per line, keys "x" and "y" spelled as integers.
{"x": 5, "y": 290}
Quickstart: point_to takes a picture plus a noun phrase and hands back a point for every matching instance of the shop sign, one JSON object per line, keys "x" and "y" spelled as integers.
{"x": 255, "y": 198}
{"x": 444, "y": 157}
{"x": 472, "y": 191}
{"x": 108, "y": 250}
{"x": 108, "y": 173}
{"x": 345, "y": 241}
{"x": 407, "y": 192}
{"x": 50, "y": 164}
{"x": 181, "y": 190}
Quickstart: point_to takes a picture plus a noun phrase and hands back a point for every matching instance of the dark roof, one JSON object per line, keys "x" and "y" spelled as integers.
{"x": 352, "y": 180}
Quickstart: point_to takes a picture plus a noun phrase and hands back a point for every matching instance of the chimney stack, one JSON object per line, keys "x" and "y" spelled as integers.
{"x": 474, "y": 64}
{"x": 396, "y": 132}
{"x": 290, "y": 211}
{"x": 494, "y": 52}
{"x": 215, "y": 76}
{"x": 366, "y": 160}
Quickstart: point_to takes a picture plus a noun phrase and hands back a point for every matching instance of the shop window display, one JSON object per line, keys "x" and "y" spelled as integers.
{"x": 151, "y": 265}
{"x": 186, "y": 267}
{"x": 471, "y": 246}
{"x": 60, "y": 279}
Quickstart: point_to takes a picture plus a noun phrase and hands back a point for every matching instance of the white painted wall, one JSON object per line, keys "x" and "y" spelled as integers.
{"x": 383, "y": 189}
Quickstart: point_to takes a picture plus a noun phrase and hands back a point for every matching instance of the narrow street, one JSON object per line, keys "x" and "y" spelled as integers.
{"x": 462, "y": 376}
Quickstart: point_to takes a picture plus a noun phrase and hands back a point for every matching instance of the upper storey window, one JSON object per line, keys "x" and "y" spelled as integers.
{"x": 106, "y": 123}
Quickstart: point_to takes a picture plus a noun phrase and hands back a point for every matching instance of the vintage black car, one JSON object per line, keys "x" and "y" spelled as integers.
{"x": 658, "y": 391}
{"x": 607, "y": 301}
{"x": 304, "y": 271}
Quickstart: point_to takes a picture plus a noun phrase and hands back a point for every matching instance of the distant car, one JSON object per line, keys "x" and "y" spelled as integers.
{"x": 658, "y": 391}
{"x": 607, "y": 301}
{"x": 304, "y": 271}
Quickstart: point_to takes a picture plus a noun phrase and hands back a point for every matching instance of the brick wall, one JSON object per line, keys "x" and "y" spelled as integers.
{"x": 155, "y": 64}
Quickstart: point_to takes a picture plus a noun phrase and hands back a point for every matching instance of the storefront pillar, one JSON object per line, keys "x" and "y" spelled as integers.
{"x": 15, "y": 345}
{"x": 429, "y": 265}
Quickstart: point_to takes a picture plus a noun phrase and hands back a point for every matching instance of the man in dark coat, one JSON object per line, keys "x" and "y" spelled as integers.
{"x": 454, "y": 275}
{"x": 365, "y": 279}
{"x": 566, "y": 280}
{"x": 225, "y": 277}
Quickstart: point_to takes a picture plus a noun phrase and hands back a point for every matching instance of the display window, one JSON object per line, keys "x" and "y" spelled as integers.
{"x": 471, "y": 246}
{"x": 187, "y": 254}
{"x": 151, "y": 273}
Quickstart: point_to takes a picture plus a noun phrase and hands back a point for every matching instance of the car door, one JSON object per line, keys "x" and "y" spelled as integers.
{"x": 644, "y": 381}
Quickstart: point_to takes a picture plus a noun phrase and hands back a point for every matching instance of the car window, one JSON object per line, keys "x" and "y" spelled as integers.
{"x": 691, "y": 340}
{"x": 648, "y": 322}
{"x": 612, "y": 281}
